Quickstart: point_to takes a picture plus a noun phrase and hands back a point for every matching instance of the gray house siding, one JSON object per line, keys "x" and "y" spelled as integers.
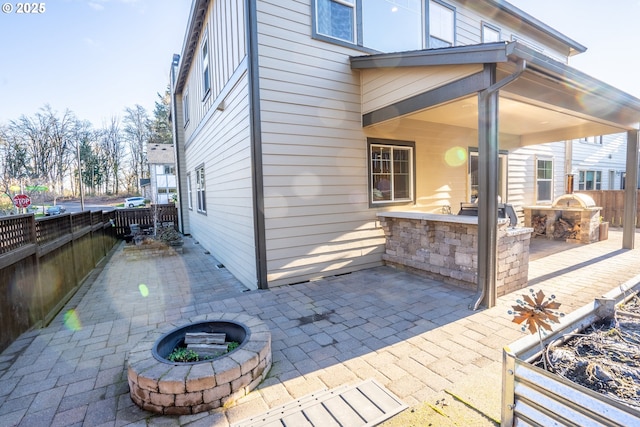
{"x": 317, "y": 217}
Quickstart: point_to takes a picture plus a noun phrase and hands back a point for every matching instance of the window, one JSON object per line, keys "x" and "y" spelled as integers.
{"x": 544, "y": 180}
{"x": 473, "y": 175}
{"x": 185, "y": 107}
{"x": 490, "y": 33}
{"x": 442, "y": 24}
{"x": 401, "y": 20}
{"x": 612, "y": 179}
{"x": 336, "y": 18}
{"x": 189, "y": 197}
{"x": 391, "y": 171}
{"x": 386, "y": 25}
{"x": 590, "y": 180}
{"x": 592, "y": 140}
{"x": 206, "y": 78}
{"x": 169, "y": 170}
{"x": 200, "y": 190}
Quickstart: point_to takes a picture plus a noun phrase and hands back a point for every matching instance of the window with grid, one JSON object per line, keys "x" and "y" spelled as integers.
{"x": 442, "y": 24}
{"x": 544, "y": 180}
{"x": 391, "y": 172}
{"x": 386, "y": 25}
{"x": 206, "y": 77}
{"x": 200, "y": 190}
{"x": 590, "y": 180}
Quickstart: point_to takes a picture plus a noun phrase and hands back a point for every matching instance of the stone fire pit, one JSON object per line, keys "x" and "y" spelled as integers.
{"x": 174, "y": 388}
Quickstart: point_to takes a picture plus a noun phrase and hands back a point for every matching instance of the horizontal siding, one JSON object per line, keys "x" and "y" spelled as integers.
{"x": 222, "y": 145}
{"x": 610, "y": 156}
{"x": 381, "y": 87}
{"x": 471, "y": 14}
{"x": 317, "y": 217}
{"x": 225, "y": 29}
{"x": 522, "y": 172}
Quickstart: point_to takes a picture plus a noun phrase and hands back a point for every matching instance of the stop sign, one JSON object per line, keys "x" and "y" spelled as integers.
{"x": 21, "y": 200}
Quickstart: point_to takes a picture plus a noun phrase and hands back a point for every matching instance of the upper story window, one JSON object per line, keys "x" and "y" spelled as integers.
{"x": 206, "y": 77}
{"x": 336, "y": 18}
{"x": 592, "y": 140}
{"x": 442, "y": 24}
{"x": 185, "y": 107}
{"x": 391, "y": 171}
{"x": 386, "y": 25}
{"x": 490, "y": 33}
{"x": 402, "y": 22}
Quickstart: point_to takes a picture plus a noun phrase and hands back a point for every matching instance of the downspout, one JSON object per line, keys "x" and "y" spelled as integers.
{"x": 256, "y": 144}
{"x": 487, "y": 178}
{"x": 176, "y": 141}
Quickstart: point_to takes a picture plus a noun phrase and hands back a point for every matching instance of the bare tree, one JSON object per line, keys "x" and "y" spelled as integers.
{"x": 112, "y": 147}
{"x": 137, "y": 132}
{"x": 60, "y": 132}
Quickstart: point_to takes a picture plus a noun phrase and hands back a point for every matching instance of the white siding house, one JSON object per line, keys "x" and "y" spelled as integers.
{"x": 162, "y": 168}
{"x": 290, "y": 117}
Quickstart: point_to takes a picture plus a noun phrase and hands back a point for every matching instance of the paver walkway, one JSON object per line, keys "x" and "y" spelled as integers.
{"x": 413, "y": 335}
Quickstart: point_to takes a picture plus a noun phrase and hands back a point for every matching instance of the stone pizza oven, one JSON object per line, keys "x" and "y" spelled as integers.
{"x": 572, "y": 217}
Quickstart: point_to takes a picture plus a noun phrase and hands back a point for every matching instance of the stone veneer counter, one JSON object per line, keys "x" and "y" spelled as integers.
{"x": 445, "y": 247}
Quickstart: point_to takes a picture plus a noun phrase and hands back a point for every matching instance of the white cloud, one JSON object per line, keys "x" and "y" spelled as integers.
{"x": 96, "y": 6}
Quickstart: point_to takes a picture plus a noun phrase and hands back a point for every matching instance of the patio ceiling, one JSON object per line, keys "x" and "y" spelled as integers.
{"x": 548, "y": 102}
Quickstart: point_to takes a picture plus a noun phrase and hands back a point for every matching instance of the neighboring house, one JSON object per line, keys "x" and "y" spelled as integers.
{"x": 296, "y": 122}
{"x": 162, "y": 168}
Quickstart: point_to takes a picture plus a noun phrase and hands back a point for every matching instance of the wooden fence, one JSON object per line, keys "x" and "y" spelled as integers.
{"x": 43, "y": 261}
{"x": 145, "y": 217}
{"x": 612, "y": 203}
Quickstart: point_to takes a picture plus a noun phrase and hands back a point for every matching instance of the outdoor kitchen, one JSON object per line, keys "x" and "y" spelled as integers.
{"x": 445, "y": 246}
{"x": 572, "y": 217}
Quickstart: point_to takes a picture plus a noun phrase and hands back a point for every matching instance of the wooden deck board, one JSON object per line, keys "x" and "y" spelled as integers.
{"x": 364, "y": 404}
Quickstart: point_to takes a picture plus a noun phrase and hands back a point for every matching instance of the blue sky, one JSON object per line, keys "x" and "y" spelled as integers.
{"x": 609, "y": 29}
{"x": 94, "y": 57}
{"x": 97, "y": 57}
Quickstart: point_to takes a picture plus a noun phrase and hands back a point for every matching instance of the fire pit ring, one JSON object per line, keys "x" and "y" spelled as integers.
{"x": 173, "y": 388}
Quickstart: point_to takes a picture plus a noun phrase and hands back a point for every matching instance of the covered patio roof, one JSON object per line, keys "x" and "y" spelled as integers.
{"x": 550, "y": 101}
{"x": 512, "y": 96}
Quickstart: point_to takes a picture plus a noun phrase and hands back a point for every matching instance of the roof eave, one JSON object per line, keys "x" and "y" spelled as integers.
{"x": 192, "y": 35}
{"x": 574, "y": 46}
{"x": 458, "y": 55}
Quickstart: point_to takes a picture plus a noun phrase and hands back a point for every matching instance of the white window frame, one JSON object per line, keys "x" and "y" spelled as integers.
{"x": 351, "y": 4}
{"x": 205, "y": 51}
{"x": 582, "y": 179}
{"x": 503, "y": 158}
{"x": 430, "y": 29}
{"x": 201, "y": 193}
{"x": 189, "y": 192}
{"x": 450, "y": 39}
{"x": 545, "y": 180}
{"x": 594, "y": 140}
{"x": 185, "y": 106}
{"x": 486, "y": 27}
{"x": 375, "y": 194}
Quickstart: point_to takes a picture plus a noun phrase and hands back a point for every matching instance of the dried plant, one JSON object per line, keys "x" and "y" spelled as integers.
{"x": 535, "y": 313}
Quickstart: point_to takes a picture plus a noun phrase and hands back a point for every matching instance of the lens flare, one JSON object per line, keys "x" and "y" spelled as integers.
{"x": 144, "y": 290}
{"x": 72, "y": 321}
{"x": 455, "y": 156}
